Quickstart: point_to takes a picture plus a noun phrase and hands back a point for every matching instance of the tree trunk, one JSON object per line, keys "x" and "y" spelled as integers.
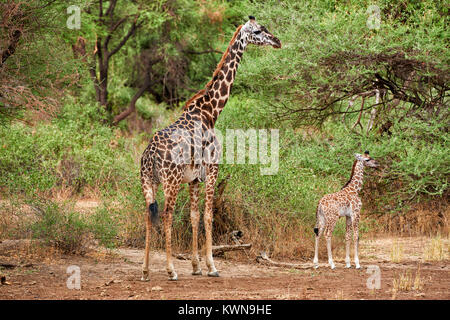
{"x": 135, "y": 98}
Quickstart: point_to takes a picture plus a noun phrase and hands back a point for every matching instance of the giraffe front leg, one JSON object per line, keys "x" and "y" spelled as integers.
{"x": 209, "y": 195}
{"x": 348, "y": 238}
{"x": 356, "y": 241}
{"x": 195, "y": 217}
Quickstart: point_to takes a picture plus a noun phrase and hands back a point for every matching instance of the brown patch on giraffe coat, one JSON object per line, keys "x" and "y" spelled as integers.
{"x": 223, "y": 89}
{"x": 230, "y": 75}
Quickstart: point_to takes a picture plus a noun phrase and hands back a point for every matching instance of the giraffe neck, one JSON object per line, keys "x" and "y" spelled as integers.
{"x": 218, "y": 90}
{"x": 356, "y": 180}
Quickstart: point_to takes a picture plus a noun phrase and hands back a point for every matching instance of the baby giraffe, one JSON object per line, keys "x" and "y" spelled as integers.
{"x": 345, "y": 202}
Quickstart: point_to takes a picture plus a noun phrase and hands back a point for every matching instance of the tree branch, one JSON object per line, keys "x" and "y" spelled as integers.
{"x": 12, "y": 47}
{"x": 203, "y": 52}
{"x": 132, "y": 30}
{"x": 111, "y": 8}
{"x": 132, "y": 106}
{"x": 114, "y": 28}
{"x": 80, "y": 49}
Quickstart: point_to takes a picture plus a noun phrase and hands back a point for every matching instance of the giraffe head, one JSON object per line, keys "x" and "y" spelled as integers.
{"x": 366, "y": 159}
{"x": 259, "y": 35}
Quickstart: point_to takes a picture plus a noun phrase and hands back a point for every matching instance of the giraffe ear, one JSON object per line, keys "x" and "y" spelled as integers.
{"x": 358, "y": 156}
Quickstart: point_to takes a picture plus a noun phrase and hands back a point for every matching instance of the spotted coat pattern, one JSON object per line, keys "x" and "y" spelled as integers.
{"x": 344, "y": 203}
{"x": 188, "y": 151}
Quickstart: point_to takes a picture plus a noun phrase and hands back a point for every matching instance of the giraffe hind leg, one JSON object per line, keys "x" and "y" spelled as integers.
{"x": 318, "y": 230}
{"x": 149, "y": 193}
{"x": 195, "y": 216}
{"x": 328, "y": 235}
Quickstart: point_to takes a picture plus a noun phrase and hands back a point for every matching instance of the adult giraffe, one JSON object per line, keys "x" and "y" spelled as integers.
{"x": 188, "y": 151}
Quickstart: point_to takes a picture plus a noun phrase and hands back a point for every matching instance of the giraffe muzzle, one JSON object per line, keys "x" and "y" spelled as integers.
{"x": 277, "y": 43}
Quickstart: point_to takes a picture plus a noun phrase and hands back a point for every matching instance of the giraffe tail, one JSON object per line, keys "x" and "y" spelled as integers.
{"x": 316, "y": 227}
{"x": 153, "y": 212}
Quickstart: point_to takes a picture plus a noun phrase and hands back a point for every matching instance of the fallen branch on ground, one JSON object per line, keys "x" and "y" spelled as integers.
{"x": 183, "y": 256}
{"x": 216, "y": 250}
{"x": 220, "y": 250}
{"x": 264, "y": 259}
{"x": 8, "y": 265}
{"x": 11, "y": 265}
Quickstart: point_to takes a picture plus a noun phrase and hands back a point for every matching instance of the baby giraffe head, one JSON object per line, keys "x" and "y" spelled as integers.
{"x": 366, "y": 159}
{"x": 259, "y": 35}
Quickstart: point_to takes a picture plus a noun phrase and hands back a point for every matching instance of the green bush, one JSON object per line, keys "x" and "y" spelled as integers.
{"x": 66, "y": 230}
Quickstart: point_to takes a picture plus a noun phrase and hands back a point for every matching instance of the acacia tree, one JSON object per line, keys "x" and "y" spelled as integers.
{"x": 177, "y": 56}
{"x": 403, "y": 88}
{"x": 28, "y": 80}
{"x": 115, "y": 28}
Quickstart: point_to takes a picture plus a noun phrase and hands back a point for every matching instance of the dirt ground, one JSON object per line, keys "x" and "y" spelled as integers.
{"x": 116, "y": 275}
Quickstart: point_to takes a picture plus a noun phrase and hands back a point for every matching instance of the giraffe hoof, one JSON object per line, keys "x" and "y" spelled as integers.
{"x": 145, "y": 276}
{"x": 173, "y": 277}
{"x": 213, "y": 274}
{"x": 197, "y": 273}
{"x": 358, "y": 267}
{"x": 316, "y": 266}
{"x": 348, "y": 266}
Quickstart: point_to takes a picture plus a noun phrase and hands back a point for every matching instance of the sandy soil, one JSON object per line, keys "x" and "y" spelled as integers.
{"x": 116, "y": 275}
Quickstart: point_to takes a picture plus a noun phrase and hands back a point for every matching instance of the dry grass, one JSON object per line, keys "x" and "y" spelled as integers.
{"x": 423, "y": 218}
{"x": 436, "y": 250}
{"x": 397, "y": 252}
{"x": 406, "y": 282}
{"x": 340, "y": 295}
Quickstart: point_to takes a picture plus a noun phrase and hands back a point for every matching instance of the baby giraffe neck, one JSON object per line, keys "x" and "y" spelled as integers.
{"x": 356, "y": 180}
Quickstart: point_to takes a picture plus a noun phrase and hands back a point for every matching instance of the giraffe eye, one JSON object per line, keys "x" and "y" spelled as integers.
{"x": 257, "y": 32}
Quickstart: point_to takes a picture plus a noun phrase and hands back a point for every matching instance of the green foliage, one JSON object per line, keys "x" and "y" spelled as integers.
{"x": 104, "y": 227}
{"x": 66, "y": 230}
{"x": 75, "y": 150}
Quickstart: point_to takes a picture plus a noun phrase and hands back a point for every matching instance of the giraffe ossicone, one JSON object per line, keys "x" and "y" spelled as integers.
{"x": 175, "y": 154}
{"x": 344, "y": 203}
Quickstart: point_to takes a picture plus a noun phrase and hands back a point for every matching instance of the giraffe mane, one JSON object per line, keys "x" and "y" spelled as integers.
{"x": 199, "y": 94}
{"x": 351, "y": 175}
{"x": 222, "y": 60}
{"x": 216, "y": 71}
